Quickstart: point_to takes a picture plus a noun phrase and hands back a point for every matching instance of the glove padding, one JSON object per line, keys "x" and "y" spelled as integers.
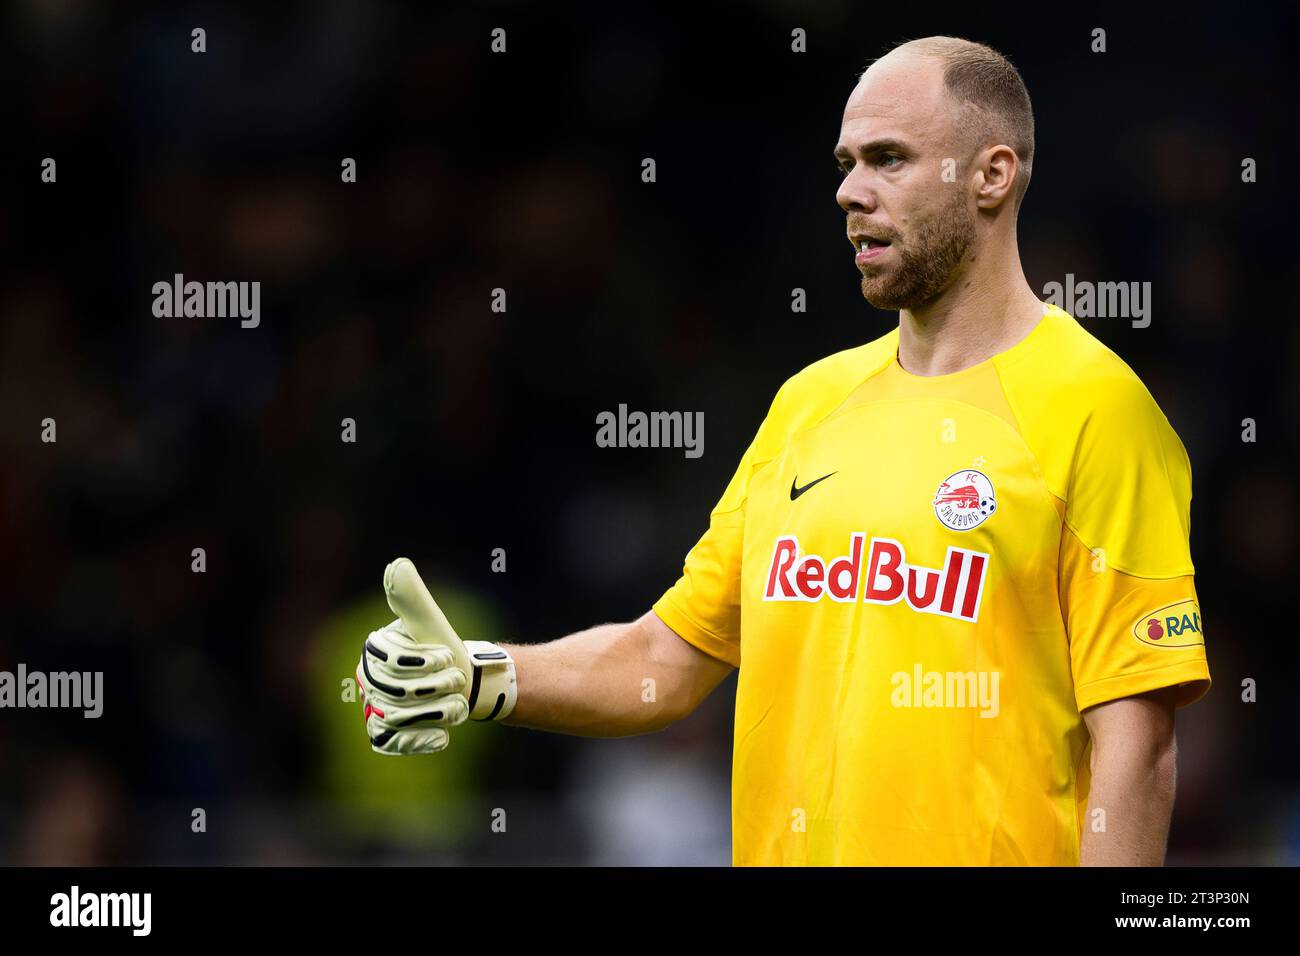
{"x": 412, "y": 692}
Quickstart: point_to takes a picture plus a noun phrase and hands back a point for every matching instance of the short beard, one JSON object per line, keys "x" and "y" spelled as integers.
{"x": 928, "y": 261}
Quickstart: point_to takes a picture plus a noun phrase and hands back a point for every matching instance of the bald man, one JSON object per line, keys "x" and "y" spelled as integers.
{"x": 952, "y": 567}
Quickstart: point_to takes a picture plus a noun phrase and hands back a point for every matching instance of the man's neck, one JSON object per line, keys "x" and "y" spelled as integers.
{"x": 971, "y": 321}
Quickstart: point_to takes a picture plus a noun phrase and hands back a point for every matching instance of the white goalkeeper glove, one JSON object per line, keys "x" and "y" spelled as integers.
{"x": 418, "y": 679}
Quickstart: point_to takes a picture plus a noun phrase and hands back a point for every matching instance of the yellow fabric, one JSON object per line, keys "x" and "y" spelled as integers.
{"x": 861, "y": 735}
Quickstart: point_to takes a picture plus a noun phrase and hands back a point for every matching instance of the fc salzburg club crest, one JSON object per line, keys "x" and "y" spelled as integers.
{"x": 964, "y": 500}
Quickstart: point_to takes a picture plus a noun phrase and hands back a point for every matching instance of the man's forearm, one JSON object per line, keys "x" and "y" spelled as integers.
{"x": 606, "y": 681}
{"x": 1135, "y": 789}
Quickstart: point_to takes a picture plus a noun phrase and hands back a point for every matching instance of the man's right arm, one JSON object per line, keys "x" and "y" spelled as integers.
{"x": 615, "y": 680}
{"x": 418, "y": 679}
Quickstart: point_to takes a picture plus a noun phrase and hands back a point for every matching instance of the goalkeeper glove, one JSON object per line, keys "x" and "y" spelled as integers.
{"x": 418, "y": 679}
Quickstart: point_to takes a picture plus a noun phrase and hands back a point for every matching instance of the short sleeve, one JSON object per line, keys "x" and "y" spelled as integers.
{"x": 703, "y": 607}
{"x": 1126, "y": 582}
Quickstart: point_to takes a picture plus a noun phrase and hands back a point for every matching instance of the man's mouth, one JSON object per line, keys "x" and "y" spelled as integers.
{"x": 867, "y": 248}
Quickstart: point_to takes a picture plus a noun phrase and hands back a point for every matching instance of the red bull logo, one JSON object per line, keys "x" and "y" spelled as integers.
{"x": 883, "y": 577}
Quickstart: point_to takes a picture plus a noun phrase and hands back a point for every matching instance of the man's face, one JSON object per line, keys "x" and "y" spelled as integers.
{"x": 918, "y": 228}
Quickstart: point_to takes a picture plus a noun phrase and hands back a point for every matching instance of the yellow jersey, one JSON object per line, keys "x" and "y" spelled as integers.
{"x": 924, "y": 582}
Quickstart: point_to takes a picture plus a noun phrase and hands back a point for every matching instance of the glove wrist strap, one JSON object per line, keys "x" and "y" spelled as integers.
{"x": 492, "y": 693}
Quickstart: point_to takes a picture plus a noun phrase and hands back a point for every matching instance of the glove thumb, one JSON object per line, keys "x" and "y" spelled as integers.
{"x": 424, "y": 621}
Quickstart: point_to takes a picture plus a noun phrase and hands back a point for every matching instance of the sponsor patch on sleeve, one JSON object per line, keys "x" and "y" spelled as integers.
{"x": 1174, "y": 625}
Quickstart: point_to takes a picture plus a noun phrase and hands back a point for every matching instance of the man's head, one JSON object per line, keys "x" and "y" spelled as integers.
{"x": 937, "y": 145}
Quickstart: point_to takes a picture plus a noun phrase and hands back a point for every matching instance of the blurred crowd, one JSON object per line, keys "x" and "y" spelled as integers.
{"x": 226, "y": 690}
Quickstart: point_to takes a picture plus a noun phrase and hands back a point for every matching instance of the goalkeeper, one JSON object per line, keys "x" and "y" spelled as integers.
{"x": 955, "y": 560}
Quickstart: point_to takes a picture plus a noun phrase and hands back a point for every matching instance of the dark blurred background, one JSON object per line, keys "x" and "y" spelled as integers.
{"x": 475, "y": 429}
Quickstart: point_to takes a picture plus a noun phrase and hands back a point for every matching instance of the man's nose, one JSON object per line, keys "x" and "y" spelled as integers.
{"x": 855, "y": 192}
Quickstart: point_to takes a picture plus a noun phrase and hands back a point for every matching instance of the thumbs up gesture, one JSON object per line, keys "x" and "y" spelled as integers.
{"x": 418, "y": 679}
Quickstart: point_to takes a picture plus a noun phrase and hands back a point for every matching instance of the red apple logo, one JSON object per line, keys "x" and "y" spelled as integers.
{"x": 1154, "y": 630}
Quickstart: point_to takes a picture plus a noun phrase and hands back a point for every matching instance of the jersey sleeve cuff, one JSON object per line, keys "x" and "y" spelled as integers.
{"x": 1192, "y": 677}
{"x": 694, "y": 634}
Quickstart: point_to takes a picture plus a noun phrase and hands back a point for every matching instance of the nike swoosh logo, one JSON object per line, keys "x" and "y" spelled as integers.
{"x": 796, "y": 491}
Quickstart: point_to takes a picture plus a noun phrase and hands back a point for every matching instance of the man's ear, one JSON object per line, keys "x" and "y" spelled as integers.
{"x": 997, "y": 169}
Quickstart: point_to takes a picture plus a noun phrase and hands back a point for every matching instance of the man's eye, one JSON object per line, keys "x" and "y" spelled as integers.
{"x": 890, "y": 159}
{"x": 841, "y": 169}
